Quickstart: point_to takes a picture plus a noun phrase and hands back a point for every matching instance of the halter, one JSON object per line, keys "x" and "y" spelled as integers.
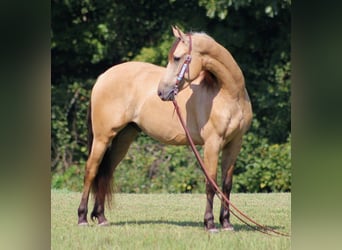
{"x": 184, "y": 68}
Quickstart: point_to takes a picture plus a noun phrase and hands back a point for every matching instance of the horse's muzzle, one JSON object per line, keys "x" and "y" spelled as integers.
{"x": 167, "y": 96}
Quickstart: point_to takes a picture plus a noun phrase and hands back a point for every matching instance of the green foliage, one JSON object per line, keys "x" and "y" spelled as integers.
{"x": 156, "y": 54}
{"x": 88, "y": 37}
{"x": 71, "y": 179}
{"x": 262, "y": 167}
{"x": 152, "y": 167}
{"x": 69, "y": 133}
{"x": 220, "y": 8}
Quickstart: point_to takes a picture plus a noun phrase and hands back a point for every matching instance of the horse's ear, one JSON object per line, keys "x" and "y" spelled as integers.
{"x": 178, "y": 33}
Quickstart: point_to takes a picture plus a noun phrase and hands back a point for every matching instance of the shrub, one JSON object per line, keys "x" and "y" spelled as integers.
{"x": 262, "y": 167}
{"x": 153, "y": 167}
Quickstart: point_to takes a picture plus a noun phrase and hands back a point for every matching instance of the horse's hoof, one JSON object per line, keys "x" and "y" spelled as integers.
{"x": 104, "y": 224}
{"x": 228, "y": 228}
{"x": 82, "y": 224}
{"x": 212, "y": 230}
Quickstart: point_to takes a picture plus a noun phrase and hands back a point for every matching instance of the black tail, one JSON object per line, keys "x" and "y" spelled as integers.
{"x": 103, "y": 183}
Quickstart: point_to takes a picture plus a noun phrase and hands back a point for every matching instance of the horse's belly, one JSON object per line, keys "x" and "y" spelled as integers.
{"x": 168, "y": 131}
{"x": 159, "y": 120}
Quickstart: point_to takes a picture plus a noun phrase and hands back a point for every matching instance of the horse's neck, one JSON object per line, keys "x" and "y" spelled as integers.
{"x": 220, "y": 62}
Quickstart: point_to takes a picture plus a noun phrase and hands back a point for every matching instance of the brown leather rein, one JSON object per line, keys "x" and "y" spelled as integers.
{"x": 227, "y": 203}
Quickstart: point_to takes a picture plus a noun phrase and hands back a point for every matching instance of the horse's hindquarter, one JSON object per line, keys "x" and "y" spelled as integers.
{"x": 119, "y": 94}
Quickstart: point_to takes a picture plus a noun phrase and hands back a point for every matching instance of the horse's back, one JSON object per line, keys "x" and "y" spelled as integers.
{"x": 125, "y": 79}
{"x": 126, "y": 74}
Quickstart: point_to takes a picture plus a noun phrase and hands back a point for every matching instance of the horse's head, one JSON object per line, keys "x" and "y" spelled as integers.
{"x": 184, "y": 66}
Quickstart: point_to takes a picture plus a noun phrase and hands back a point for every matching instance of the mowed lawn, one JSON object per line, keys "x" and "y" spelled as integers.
{"x": 168, "y": 221}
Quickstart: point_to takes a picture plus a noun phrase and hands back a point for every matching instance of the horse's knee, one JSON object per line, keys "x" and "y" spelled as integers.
{"x": 227, "y": 187}
{"x": 227, "y": 181}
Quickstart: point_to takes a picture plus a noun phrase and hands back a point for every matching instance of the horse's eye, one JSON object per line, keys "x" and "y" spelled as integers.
{"x": 176, "y": 59}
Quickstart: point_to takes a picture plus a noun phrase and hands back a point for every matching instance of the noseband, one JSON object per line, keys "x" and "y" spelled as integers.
{"x": 184, "y": 68}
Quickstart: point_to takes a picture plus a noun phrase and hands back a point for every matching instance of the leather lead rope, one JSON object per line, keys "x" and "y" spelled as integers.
{"x": 253, "y": 224}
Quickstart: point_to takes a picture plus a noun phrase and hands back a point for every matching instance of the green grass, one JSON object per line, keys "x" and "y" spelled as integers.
{"x": 168, "y": 221}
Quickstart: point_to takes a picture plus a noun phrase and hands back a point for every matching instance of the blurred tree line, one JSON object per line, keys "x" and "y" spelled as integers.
{"x": 87, "y": 37}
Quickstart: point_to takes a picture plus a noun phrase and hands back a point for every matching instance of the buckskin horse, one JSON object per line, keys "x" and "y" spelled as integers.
{"x": 136, "y": 96}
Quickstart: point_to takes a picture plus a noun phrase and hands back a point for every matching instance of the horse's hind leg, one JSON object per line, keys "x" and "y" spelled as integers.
{"x": 95, "y": 157}
{"x": 229, "y": 155}
{"x": 104, "y": 179}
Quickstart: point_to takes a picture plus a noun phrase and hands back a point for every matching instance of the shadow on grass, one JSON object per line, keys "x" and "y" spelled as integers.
{"x": 158, "y": 222}
{"x": 237, "y": 227}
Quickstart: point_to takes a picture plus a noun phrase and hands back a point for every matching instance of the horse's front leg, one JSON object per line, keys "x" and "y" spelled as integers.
{"x": 229, "y": 155}
{"x": 211, "y": 151}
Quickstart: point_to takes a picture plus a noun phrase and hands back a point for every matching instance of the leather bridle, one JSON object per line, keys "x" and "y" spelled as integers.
{"x": 184, "y": 68}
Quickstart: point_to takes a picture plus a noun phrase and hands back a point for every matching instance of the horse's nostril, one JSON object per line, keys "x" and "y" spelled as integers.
{"x": 159, "y": 93}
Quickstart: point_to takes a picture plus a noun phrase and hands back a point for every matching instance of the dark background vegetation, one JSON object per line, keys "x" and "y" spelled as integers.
{"x": 87, "y": 37}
